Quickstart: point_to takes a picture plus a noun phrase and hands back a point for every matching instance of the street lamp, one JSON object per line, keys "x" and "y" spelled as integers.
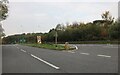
{"x": 58, "y": 27}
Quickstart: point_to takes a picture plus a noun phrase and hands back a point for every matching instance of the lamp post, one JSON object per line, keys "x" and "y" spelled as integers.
{"x": 58, "y": 28}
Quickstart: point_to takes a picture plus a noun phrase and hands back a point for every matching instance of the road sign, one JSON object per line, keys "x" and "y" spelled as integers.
{"x": 39, "y": 39}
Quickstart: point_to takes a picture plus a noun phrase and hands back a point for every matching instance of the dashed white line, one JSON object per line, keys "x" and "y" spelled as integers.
{"x": 104, "y": 56}
{"x": 18, "y": 47}
{"x": 85, "y": 53}
{"x": 23, "y": 50}
{"x": 71, "y": 51}
{"x": 45, "y": 62}
{"x": 110, "y": 46}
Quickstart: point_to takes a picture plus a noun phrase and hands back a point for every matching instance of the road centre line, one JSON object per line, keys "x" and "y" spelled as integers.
{"x": 85, "y": 53}
{"x": 71, "y": 51}
{"x": 104, "y": 56}
{"x": 18, "y": 47}
{"x": 109, "y": 47}
{"x": 45, "y": 62}
{"x": 22, "y": 50}
{"x": 41, "y": 60}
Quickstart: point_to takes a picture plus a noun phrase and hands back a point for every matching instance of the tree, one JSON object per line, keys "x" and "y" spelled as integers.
{"x": 114, "y": 30}
{"x": 109, "y": 21}
{"x": 3, "y": 9}
{"x": 1, "y": 29}
{"x": 106, "y": 16}
{"x": 3, "y": 13}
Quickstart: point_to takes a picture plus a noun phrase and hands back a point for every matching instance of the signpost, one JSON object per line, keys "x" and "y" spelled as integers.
{"x": 39, "y": 39}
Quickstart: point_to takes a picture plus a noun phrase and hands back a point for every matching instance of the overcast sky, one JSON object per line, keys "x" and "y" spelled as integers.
{"x": 40, "y": 16}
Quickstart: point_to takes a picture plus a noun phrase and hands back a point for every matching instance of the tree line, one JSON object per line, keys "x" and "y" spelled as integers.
{"x": 3, "y": 15}
{"x": 99, "y": 30}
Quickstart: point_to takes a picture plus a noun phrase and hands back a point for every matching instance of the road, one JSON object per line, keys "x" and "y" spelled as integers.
{"x": 86, "y": 59}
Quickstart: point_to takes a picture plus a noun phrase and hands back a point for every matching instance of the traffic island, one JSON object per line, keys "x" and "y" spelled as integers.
{"x": 51, "y": 46}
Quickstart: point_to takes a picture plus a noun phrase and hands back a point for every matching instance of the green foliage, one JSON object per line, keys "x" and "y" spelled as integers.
{"x": 114, "y": 31}
{"x": 3, "y": 14}
{"x": 3, "y": 9}
{"x": 98, "y": 30}
{"x": 82, "y": 32}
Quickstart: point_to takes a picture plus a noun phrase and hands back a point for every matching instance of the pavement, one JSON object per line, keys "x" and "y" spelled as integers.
{"x": 87, "y": 58}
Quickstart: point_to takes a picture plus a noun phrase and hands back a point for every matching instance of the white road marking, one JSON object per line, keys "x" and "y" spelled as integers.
{"x": 104, "y": 56}
{"x": 23, "y": 50}
{"x": 18, "y": 47}
{"x": 109, "y": 47}
{"x": 71, "y": 51}
{"x": 85, "y": 53}
{"x": 89, "y": 45}
{"x": 45, "y": 62}
{"x": 75, "y": 46}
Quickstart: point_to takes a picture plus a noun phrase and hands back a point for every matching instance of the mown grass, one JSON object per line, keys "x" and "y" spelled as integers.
{"x": 47, "y": 46}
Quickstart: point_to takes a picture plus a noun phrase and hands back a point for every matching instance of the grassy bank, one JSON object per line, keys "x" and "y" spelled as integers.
{"x": 48, "y": 46}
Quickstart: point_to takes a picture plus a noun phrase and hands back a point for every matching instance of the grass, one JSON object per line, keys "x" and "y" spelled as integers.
{"x": 48, "y": 46}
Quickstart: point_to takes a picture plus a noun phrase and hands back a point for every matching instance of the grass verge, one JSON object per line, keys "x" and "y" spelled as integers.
{"x": 48, "y": 46}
